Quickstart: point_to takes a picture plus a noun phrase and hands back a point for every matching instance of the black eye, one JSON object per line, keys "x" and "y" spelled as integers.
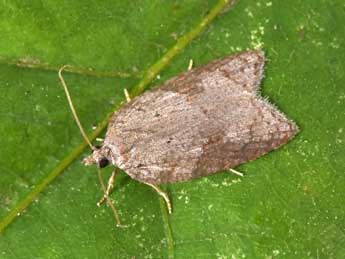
{"x": 103, "y": 162}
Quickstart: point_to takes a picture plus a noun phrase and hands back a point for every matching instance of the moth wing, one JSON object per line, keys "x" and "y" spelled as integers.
{"x": 195, "y": 125}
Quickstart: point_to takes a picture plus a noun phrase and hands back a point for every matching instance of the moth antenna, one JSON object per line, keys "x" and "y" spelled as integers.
{"x": 106, "y": 196}
{"x": 73, "y": 109}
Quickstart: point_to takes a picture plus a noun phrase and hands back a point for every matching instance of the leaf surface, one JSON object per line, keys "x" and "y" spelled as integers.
{"x": 288, "y": 205}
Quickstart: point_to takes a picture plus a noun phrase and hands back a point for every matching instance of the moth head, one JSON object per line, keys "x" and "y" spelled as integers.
{"x": 99, "y": 156}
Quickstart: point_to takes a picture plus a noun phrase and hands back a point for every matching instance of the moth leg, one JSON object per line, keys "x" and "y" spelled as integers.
{"x": 109, "y": 188}
{"x": 99, "y": 139}
{"x": 128, "y": 98}
{"x": 109, "y": 201}
{"x": 236, "y": 172}
{"x": 190, "y": 65}
{"x": 163, "y": 194}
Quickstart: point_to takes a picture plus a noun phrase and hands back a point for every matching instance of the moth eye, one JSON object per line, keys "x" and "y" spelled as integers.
{"x": 103, "y": 162}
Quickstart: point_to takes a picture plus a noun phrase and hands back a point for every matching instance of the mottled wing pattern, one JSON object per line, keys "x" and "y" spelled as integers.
{"x": 203, "y": 121}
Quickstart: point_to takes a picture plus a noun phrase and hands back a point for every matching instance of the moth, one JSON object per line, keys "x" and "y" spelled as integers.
{"x": 206, "y": 120}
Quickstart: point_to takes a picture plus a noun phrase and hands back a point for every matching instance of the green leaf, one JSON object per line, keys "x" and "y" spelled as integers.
{"x": 288, "y": 205}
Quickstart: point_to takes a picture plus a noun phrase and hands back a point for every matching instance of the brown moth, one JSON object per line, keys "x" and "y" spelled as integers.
{"x": 206, "y": 120}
